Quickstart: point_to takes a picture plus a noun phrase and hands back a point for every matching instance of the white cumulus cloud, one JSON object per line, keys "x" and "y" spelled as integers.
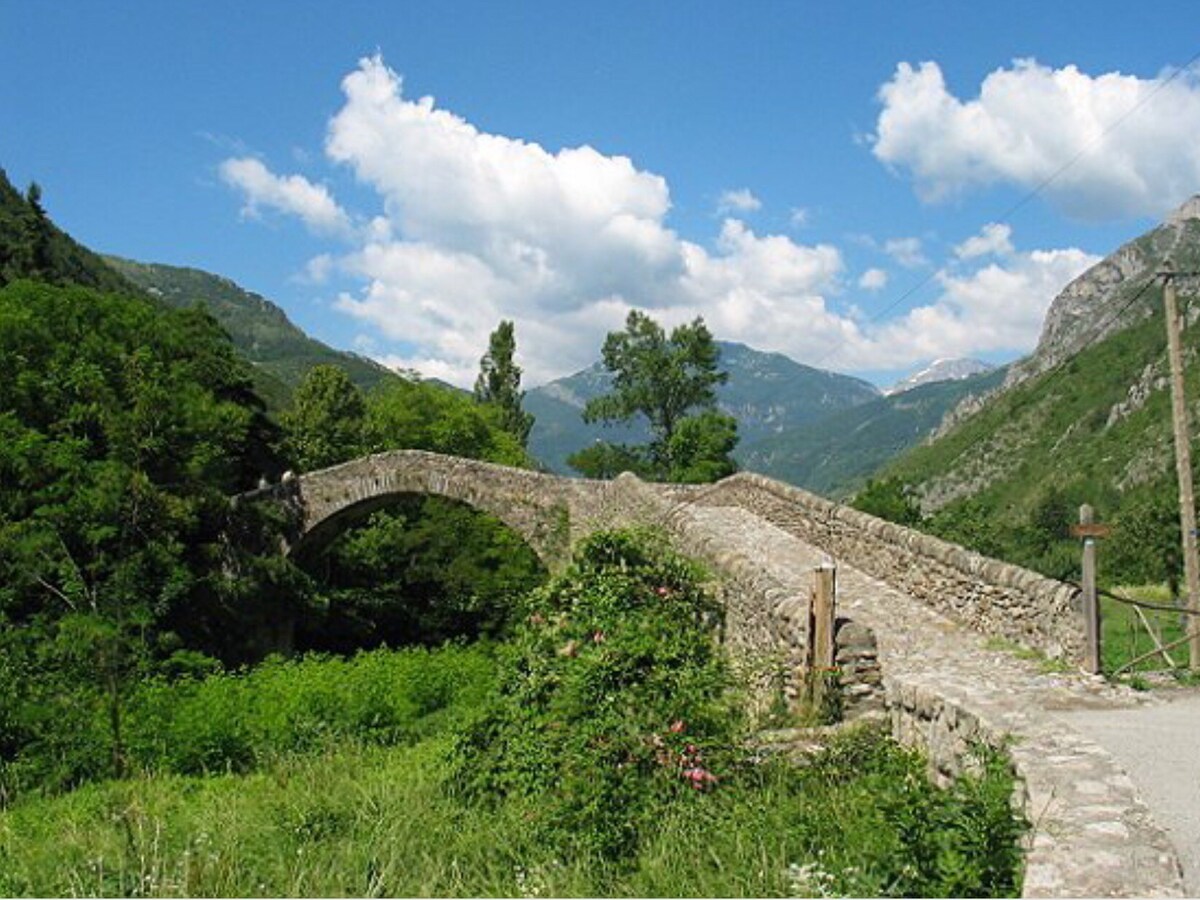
{"x": 906, "y": 251}
{"x": 999, "y": 307}
{"x": 477, "y": 227}
{"x": 293, "y": 194}
{"x": 739, "y": 201}
{"x": 873, "y": 280}
{"x": 1098, "y": 147}
{"x": 993, "y": 239}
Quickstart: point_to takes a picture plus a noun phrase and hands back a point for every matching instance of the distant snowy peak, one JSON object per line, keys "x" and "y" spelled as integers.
{"x": 941, "y": 370}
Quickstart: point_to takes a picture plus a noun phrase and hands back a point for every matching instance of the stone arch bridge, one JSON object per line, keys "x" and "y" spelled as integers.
{"x": 940, "y": 642}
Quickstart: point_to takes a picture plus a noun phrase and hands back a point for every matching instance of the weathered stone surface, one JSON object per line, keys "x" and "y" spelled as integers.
{"x": 987, "y": 595}
{"x": 947, "y": 692}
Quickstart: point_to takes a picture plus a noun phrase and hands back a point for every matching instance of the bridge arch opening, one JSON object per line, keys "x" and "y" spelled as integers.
{"x": 411, "y": 568}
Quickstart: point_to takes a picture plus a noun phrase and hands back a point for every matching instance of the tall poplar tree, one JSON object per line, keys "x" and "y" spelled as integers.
{"x": 499, "y": 383}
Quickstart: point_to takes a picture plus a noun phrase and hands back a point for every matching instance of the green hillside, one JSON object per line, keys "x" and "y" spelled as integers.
{"x": 32, "y": 246}
{"x": 834, "y": 455}
{"x": 1084, "y": 419}
{"x": 1008, "y": 481}
{"x": 1055, "y": 430}
{"x": 261, "y": 331}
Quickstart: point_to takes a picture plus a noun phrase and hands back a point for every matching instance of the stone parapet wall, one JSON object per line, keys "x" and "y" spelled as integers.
{"x": 1091, "y": 834}
{"x": 766, "y": 630}
{"x": 986, "y": 595}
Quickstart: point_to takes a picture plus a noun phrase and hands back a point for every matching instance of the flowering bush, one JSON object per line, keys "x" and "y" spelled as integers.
{"x": 613, "y": 701}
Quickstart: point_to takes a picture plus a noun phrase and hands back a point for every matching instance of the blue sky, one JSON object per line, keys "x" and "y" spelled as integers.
{"x": 843, "y": 182}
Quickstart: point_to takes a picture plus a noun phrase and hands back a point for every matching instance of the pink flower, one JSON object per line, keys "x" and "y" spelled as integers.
{"x": 677, "y": 726}
{"x": 699, "y": 777}
{"x": 598, "y": 637}
{"x": 663, "y": 591}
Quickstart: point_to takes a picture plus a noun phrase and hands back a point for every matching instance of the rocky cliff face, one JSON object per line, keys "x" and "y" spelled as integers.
{"x": 1101, "y": 420}
{"x": 1101, "y": 302}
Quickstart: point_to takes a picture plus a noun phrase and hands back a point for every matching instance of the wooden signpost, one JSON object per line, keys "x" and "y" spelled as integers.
{"x": 820, "y": 652}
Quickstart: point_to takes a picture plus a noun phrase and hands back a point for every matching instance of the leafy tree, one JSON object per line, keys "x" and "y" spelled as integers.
{"x": 613, "y": 703}
{"x": 123, "y": 430}
{"x": 605, "y": 460}
{"x": 664, "y": 379}
{"x": 701, "y": 448}
{"x": 326, "y": 422}
{"x": 499, "y": 383}
{"x": 420, "y": 416}
{"x": 1147, "y": 546}
{"x": 891, "y": 499}
{"x": 425, "y": 569}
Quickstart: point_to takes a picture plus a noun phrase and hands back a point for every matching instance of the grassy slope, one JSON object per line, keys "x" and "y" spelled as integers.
{"x": 260, "y": 330}
{"x": 1052, "y": 432}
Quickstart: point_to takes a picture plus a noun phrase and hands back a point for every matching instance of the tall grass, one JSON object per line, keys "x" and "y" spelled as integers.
{"x": 599, "y": 754}
{"x": 240, "y": 721}
{"x": 1123, "y": 636}
{"x": 377, "y": 821}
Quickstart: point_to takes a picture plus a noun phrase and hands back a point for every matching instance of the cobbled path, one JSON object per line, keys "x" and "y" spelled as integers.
{"x": 1092, "y": 833}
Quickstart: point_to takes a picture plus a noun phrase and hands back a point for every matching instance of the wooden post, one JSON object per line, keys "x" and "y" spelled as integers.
{"x": 822, "y": 612}
{"x": 1183, "y": 458}
{"x": 1091, "y": 604}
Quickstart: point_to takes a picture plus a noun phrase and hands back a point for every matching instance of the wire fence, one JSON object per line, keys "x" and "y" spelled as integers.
{"x": 1138, "y": 635}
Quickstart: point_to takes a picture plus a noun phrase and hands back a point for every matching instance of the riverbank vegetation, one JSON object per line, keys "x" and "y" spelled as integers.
{"x": 597, "y": 752}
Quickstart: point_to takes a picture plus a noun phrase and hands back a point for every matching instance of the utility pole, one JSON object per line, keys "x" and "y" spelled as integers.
{"x": 1183, "y": 463}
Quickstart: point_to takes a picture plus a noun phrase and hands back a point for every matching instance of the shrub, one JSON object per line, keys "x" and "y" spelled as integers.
{"x": 612, "y": 700}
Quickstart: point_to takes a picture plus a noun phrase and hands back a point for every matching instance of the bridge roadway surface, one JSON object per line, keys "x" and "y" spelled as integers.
{"x": 1159, "y": 745}
{"x": 1091, "y": 829}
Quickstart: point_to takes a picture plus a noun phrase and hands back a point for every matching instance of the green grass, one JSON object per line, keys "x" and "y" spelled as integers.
{"x": 328, "y": 803}
{"x": 1123, "y": 637}
{"x": 599, "y": 752}
{"x": 371, "y": 821}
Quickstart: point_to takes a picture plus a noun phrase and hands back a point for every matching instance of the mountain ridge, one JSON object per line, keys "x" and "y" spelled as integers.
{"x": 767, "y": 393}
{"x": 1086, "y": 418}
{"x": 946, "y": 369}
